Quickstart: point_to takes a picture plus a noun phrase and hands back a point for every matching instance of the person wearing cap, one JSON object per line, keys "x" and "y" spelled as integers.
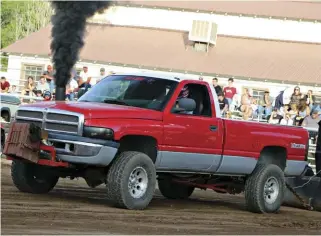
{"x": 312, "y": 121}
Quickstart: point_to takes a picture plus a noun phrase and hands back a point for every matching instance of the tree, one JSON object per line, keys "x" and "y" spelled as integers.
{"x": 21, "y": 18}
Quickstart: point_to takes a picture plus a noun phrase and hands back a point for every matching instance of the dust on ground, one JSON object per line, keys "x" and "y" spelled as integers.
{"x": 74, "y": 208}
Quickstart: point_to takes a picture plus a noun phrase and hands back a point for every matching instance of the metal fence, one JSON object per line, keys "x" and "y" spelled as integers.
{"x": 312, "y": 147}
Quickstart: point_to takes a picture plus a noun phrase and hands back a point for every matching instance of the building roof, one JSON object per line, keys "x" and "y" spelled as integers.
{"x": 305, "y": 10}
{"x": 163, "y": 49}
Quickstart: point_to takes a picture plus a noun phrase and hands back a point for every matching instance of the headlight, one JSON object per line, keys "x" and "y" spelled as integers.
{"x": 97, "y": 132}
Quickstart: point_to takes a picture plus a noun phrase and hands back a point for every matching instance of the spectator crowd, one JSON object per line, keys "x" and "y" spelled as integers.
{"x": 299, "y": 110}
{"x": 45, "y": 87}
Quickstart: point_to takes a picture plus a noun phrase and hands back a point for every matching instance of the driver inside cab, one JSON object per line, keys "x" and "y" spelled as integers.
{"x": 183, "y": 94}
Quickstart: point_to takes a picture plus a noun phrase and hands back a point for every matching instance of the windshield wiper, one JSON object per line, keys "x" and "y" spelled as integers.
{"x": 116, "y": 101}
{"x": 84, "y": 101}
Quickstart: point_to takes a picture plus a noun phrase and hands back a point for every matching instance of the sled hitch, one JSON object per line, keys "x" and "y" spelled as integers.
{"x": 308, "y": 205}
{"x": 26, "y": 142}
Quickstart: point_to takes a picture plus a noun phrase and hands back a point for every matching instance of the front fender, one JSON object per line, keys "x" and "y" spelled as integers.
{"x": 124, "y": 127}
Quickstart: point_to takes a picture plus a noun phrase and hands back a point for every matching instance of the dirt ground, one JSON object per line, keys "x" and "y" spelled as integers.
{"x": 73, "y": 208}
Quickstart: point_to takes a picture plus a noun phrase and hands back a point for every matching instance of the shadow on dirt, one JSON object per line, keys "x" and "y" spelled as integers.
{"x": 98, "y": 197}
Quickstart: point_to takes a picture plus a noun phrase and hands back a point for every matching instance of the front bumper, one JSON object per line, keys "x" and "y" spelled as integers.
{"x": 82, "y": 150}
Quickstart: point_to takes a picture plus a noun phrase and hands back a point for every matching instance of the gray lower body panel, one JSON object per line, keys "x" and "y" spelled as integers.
{"x": 216, "y": 164}
{"x": 103, "y": 158}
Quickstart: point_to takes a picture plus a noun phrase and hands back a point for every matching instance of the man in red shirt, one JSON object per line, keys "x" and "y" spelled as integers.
{"x": 4, "y": 85}
{"x": 230, "y": 91}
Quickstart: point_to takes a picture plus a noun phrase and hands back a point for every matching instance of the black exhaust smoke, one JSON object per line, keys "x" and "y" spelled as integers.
{"x": 69, "y": 22}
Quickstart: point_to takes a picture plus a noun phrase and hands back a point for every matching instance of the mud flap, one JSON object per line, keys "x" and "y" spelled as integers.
{"x": 309, "y": 192}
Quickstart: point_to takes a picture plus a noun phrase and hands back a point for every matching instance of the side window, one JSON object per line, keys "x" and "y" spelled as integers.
{"x": 199, "y": 93}
{"x": 32, "y": 70}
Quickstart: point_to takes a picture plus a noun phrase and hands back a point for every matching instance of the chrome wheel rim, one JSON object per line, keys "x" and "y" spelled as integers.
{"x": 138, "y": 182}
{"x": 271, "y": 190}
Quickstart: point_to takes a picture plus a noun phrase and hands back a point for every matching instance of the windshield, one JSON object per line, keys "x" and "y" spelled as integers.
{"x": 128, "y": 90}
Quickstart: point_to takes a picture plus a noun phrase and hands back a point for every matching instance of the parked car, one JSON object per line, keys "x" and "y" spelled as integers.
{"x": 135, "y": 129}
{"x": 9, "y": 105}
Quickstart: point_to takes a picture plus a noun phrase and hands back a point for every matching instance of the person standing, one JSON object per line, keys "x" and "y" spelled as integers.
{"x": 230, "y": 91}
{"x": 310, "y": 99}
{"x": 49, "y": 76}
{"x": 218, "y": 89}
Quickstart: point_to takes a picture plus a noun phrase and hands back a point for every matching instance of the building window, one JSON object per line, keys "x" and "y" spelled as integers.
{"x": 258, "y": 94}
{"x": 32, "y": 70}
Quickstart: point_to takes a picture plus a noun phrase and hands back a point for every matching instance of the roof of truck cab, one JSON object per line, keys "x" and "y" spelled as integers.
{"x": 154, "y": 75}
{"x": 177, "y": 79}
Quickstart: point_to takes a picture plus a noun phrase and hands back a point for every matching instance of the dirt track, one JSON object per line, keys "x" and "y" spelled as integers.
{"x": 73, "y": 208}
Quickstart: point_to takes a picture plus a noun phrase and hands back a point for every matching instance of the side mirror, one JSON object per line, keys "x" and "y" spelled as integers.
{"x": 185, "y": 105}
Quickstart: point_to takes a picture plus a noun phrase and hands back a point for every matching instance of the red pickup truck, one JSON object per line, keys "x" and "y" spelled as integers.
{"x": 131, "y": 130}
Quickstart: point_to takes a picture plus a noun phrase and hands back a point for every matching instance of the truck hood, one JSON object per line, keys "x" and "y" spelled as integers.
{"x": 92, "y": 110}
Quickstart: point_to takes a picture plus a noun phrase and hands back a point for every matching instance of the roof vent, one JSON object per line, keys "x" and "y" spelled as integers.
{"x": 203, "y": 32}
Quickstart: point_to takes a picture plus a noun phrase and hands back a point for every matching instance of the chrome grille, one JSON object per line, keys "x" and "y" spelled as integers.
{"x": 52, "y": 119}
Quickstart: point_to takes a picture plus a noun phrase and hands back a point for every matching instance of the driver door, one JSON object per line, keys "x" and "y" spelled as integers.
{"x": 192, "y": 142}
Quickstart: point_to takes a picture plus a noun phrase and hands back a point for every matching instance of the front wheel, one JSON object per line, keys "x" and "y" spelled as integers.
{"x": 131, "y": 181}
{"x": 32, "y": 178}
{"x": 264, "y": 189}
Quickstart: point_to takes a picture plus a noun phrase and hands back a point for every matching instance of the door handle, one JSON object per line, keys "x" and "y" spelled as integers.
{"x": 213, "y": 127}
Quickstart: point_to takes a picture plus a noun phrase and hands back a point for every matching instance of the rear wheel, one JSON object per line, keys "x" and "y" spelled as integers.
{"x": 32, "y": 178}
{"x": 172, "y": 190}
{"x": 264, "y": 189}
{"x": 131, "y": 181}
